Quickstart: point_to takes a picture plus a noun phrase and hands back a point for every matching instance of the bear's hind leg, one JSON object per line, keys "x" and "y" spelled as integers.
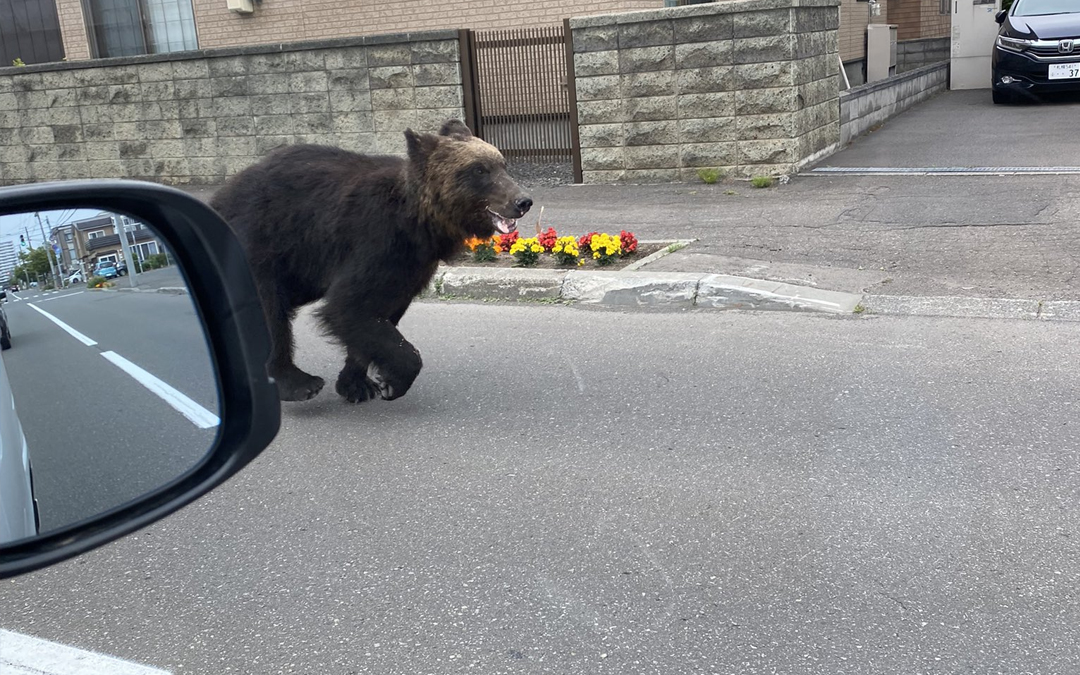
{"x": 293, "y": 384}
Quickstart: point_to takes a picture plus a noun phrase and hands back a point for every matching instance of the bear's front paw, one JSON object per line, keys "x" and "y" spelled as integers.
{"x": 296, "y": 385}
{"x": 354, "y": 387}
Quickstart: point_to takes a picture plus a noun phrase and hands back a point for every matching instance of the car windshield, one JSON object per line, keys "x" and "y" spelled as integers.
{"x": 1043, "y": 7}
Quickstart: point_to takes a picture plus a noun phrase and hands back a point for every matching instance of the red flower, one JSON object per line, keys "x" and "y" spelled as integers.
{"x": 547, "y": 239}
{"x": 629, "y": 242}
{"x": 503, "y": 242}
{"x": 585, "y": 241}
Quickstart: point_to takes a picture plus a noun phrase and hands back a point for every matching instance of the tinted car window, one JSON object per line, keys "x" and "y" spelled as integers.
{"x": 1040, "y": 7}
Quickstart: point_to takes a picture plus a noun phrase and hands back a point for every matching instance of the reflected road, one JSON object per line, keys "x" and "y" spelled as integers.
{"x": 115, "y": 392}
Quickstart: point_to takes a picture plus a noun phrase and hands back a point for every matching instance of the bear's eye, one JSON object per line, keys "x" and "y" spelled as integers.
{"x": 480, "y": 171}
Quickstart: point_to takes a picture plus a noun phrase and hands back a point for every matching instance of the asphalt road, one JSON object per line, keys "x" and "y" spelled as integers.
{"x": 965, "y": 129}
{"x": 572, "y": 491}
{"x": 97, "y": 436}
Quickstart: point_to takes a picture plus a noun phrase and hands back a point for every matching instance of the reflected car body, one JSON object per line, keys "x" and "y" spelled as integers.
{"x": 107, "y": 270}
{"x": 1037, "y": 50}
{"x": 5, "y": 330}
{"x": 18, "y": 509}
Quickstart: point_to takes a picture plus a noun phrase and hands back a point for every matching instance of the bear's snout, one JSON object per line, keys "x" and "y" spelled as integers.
{"x": 523, "y": 204}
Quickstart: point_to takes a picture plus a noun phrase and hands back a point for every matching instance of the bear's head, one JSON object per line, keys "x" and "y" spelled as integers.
{"x": 462, "y": 184}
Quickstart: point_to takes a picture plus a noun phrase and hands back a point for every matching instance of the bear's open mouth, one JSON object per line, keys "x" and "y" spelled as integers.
{"x": 504, "y": 225}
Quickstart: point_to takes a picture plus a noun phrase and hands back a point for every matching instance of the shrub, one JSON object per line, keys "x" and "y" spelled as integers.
{"x": 605, "y": 248}
{"x": 761, "y": 181}
{"x": 483, "y": 250}
{"x": 527, "y": 251}
{"x": 153, "y": 262}
{"x": 566, "y": 251}
{"x": 95, "y": 282}
{"x": 708, "y": 176}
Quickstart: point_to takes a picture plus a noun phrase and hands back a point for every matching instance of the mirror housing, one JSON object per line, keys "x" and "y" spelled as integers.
{"x": 219, "y": 281}
{"x": 1000, "y": 16}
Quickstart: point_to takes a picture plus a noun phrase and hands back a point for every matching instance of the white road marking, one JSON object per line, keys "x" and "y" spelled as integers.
{"x": 64, "y": 296}
{"x": 71, "y": 331}
{"x": 26, "y": 655}
{"x": 199, "y": 416}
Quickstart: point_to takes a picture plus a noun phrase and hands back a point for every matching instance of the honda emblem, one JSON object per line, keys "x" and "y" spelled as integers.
{"x": 1065, "y": 46}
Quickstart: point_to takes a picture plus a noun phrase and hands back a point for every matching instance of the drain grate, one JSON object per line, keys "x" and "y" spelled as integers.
{"x": 946, "y": 170}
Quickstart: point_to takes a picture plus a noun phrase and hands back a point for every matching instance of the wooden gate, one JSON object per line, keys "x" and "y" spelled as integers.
{"x": 519, "y": 93}
{"x": 29, "y": 31}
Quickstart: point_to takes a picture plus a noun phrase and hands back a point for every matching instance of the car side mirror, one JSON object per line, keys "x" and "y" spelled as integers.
{"x": 1000, "y": 16}
{"x": 3, "y": 295}
{"x": 122, "y": 400}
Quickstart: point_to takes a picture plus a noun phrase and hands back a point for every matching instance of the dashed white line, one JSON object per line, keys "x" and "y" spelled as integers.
{"x": 26, "y": 655}
{"x": 63, "y": 296}
{"x": 199, "y": 416}
{"x": 70, "y": 331}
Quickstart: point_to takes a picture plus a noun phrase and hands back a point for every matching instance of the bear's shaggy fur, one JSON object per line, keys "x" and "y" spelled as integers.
{"x": 365, "y": 233}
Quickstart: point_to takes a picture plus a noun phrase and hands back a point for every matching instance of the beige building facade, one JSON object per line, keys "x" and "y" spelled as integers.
{"x": 91, "y": 29}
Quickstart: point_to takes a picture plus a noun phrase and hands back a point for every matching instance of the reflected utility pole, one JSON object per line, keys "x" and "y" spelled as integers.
{"x": 118, "y": 222}
{"x": 48, "y": 251}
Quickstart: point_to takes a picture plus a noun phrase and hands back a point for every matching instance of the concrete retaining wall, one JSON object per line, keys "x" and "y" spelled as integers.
{"x": 865, "y": 107}
{"x": 746, "y": 86}
{"x": 198, "y": 117}
{"x": 912, "y": 54}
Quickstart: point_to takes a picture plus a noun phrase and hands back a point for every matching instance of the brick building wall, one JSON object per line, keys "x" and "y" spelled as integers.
{"x": 854, "y": 17}
{"x": 917, "y": 19}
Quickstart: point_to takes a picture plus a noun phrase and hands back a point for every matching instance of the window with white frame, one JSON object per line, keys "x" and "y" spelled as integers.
{"x": 134, "y": 27}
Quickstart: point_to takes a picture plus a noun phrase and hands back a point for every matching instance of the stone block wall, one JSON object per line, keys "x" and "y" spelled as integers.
{"x": 746, "y": 86}
{"x": 912, "y": 54}
{"x": 868, "y": 106}
{"x": 199, "y": 117}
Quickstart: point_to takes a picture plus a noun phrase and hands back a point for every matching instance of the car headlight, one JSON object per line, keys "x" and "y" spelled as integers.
{"x": 1013, "y": 44}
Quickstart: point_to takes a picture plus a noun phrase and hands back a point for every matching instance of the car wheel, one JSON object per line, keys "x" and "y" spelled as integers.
{"x": 5, "y": 340}
{"x": 1001, "y": 98}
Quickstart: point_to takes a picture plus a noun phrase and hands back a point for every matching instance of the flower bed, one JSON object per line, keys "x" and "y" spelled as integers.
{"x": 548, "y": 250}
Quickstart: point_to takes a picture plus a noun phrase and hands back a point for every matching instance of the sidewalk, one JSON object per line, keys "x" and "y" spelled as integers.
{"x": 1011, "y": 237}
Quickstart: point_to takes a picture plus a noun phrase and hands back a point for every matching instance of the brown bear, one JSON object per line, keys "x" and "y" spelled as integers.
{"x": 365, "y": 233}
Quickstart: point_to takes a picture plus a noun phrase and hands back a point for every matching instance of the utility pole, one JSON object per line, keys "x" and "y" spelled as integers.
{"x": 118, "y": 221}
{"x": 48, "y": 250}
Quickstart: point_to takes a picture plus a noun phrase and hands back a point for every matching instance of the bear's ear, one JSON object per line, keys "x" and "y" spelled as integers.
{"x": 420, "y": 147}
{"x": 455, "y": 128}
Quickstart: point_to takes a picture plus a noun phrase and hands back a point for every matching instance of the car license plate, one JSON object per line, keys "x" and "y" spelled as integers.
{"x": 1064, "y": 71}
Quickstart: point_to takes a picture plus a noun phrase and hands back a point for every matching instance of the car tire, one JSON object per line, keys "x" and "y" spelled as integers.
{"x": 5, "y": 340}
{"x": 1002, "y": 98}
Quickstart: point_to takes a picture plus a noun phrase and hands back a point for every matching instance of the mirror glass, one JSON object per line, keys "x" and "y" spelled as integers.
{"x": 107, "y": 386}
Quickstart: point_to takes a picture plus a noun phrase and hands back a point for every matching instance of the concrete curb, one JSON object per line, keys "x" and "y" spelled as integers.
{"x": 168, "y": 290}
{"x": 974, "y": 308}
{"x": 622, "y": 289}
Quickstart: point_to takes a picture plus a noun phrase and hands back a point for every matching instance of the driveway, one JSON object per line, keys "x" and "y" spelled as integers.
{"x": 965, "y": 129}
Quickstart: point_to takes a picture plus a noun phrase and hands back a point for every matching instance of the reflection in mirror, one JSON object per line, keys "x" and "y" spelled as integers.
{"x": 107, "y": 387}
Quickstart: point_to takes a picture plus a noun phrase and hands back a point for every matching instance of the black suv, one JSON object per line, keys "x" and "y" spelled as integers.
{"x": 1037, "y": 50}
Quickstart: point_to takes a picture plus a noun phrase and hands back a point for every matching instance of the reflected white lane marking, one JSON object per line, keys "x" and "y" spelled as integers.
{"x": 199, "y": 416}
{"x": 62, "y": 296}
{"x": 71, "y": 331}
{"x": 26, "y": 655}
